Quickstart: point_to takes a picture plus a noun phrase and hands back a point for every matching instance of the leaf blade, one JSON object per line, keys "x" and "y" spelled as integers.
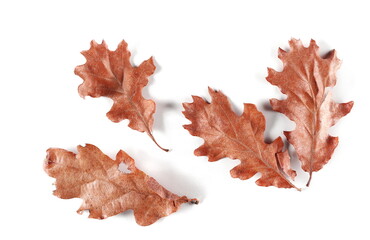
{"x": 304, "y": 80}
{"x": 110, "y": 74}
{"x": 241, "y": 137}
{"x": 106, "y": 191}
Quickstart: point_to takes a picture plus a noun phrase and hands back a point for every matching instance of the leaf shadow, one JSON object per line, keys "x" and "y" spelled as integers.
{"x": 294, "y": 161}
{"x": 127, "y": 215}
{"x": 302, "y": 177}
{"x": 151, "y": 79}
{"x": 271, "y": 120}
{"x": 168, "y": 177}
{"x": 163, "y": 107}
{"x": 168, "y": 174}
{"x": 178, "y": 181}
{"x": 235, "y": 108}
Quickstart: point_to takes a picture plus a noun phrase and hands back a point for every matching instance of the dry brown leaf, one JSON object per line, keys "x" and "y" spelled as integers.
{"x": 226, "y": 134}
{"x": 104, "y": 189}
{"x": 110, "y": 74}
{"x": 309, "y": 104}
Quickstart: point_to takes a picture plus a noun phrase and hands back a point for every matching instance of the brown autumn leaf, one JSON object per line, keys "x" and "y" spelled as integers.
{"x": 110, "y": 74}
{"x": 309, "y": 104}
{"x": 104, "y": 189}
{"x": 241, "y": 137}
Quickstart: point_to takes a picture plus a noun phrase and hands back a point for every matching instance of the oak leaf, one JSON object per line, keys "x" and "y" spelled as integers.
{"x": 241, "y": 137}
{"x": 110, "y": 74}
{"x": 305, "y": 79}
{"x": 104, "y": 189}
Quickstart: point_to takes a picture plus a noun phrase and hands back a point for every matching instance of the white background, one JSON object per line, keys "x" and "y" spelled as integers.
{"x": 226, "y": 45}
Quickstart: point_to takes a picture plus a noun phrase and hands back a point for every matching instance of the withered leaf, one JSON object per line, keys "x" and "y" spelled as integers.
{"x": 104, "y": 189}
{"x": 110, "y": 74}
{"x": 241, "y": 137}
{"x": 304, "y": 79}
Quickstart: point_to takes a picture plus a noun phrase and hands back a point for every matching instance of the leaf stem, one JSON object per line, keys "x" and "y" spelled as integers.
{"x": 152, "y": 137}
{"x": 298, "y": 189}
{"x": 309, "y": 180}
{"x": 194, "y": 201}
{"x": 148, "y": 129}
{"x": 290, "y": 183}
